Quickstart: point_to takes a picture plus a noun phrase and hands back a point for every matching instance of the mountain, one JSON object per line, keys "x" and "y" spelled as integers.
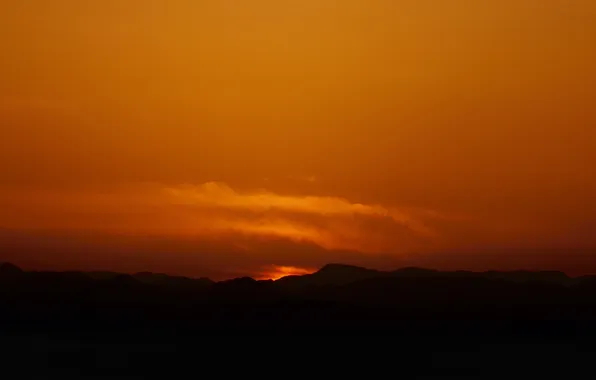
{"x": 8, "y": 270}
{"x": 337, "y": 298}
{"x": 176, "y": 282}
{"x": 530, "y": 276}
{"x": 340, "y": 274}
{"x": 416, "y": 272}
{"x": 329, "y": 275}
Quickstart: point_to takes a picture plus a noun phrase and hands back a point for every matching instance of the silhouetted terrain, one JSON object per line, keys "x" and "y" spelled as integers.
{"x": 408, "y": 307}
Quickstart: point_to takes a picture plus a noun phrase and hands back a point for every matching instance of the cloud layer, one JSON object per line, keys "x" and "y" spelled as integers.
{"x": 227, "y": 231}
{"x": 215, "y": 210}
{"x": 330, "y": 222}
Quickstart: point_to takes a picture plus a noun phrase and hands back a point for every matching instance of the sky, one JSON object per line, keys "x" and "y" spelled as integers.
{"x": 225, "y": 138}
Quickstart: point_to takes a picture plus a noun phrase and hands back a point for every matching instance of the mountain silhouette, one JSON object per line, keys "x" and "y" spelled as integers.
{"x": 333, "y": 274}
{"x": 412, "y": 306}
{"x": 330, "y": 274}
{"x": 10, "y": 270}
{"x": 176, "y": 282}
{"x": 335, "y": 298}
{"x": 340, "y": 274}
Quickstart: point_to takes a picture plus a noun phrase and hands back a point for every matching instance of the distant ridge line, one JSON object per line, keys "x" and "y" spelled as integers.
{"x": 332, "y": 273}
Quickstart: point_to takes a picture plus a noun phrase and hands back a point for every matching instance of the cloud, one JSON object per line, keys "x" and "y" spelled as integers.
{"x": 330, "y": 222}
{"x": 220, "y": 195}
{"x": 221, "y": 231}
{"x": 216, "y": 211}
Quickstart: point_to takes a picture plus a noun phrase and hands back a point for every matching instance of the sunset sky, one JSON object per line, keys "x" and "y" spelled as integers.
{"x": 236, "y": 137}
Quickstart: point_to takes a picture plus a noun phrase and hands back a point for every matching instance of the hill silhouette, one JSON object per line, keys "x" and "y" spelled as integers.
{"x": 412, "y": 305}
{"x": 494, "y": 296}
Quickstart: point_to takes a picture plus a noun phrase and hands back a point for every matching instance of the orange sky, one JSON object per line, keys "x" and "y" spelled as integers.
{"x": 445, "y": 133}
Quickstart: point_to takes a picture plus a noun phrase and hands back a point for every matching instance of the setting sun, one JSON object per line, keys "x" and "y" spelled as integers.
{"x": 278, "y": 272}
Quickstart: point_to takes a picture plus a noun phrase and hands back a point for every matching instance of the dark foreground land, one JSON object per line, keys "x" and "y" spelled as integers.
{"x": 411, "y": 321}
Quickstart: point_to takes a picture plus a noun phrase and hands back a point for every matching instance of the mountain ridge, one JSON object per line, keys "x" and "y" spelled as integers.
{"x": 332, "y": 274}
{"x": 335, "y": 299}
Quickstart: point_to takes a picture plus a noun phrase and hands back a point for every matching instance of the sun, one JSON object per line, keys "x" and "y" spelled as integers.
{"x": 275, "y": 272}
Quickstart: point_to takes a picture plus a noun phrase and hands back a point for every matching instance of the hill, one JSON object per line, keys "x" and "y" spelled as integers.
{"x": 336, "y": 298}
{"x": 409, "y": 307}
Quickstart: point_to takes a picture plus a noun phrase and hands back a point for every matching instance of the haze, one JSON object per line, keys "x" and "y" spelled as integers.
{"x": 229, "y": 137}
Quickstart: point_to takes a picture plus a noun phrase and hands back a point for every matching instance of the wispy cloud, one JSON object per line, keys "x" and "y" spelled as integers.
{"x": 331, "y": 222}
{"x": 215, "y": 210}
{"x": 220, "y": 195}
{"x": 248, "y": 229}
